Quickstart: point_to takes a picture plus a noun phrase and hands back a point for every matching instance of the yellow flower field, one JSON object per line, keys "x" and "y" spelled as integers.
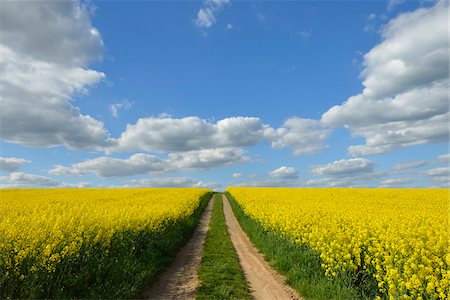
{"x": 398, "y": 236}
{"x": 41, "y": 228}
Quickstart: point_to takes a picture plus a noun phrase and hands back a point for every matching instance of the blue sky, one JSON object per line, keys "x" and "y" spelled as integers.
{"x": 221, "y": 92}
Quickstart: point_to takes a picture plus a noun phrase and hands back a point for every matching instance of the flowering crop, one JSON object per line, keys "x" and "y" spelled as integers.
{"x": 43, "y": 231}
{"x": 398, "y": 236}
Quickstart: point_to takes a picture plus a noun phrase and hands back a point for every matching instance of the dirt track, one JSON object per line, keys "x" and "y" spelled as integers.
{"x": 264, "y": 282}
{"x": 180, "y": 280}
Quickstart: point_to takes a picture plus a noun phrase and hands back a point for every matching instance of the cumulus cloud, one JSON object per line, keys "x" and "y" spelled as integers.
{"x": 113, "y": 167}
{"x": 174, "y": 182}
{"x": 27, "y": 180}
{"x": 206, "y": 159}
{"x": 412, "y": 165}
{"x": 405, "y": 96}
{"x": 440, "y": 176}
{"x": 140, "y": 163}
{"x": 45, "y": 47}
{"x": 271, "y": 182}
{"x": 116, "y": 107}
{"x": 304, "y": 136}
{"x": 167, "y": 134}
{"x": 345, "y": 167}
{"x": 237, "y": 175}
{"x": 407, "y": 166}
{"x": 443, "y": 159}
{"x": 12, "y": 164}
{"x": 392, "y": 182}
{"x": 206, "y": 16}
{"x": 437, "y": 172}
{"x": 284, "y": 172}
{"x": 190, "y": 133}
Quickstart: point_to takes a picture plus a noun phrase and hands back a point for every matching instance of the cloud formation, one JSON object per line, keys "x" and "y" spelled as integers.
{"x": 140, "y": 163}
{"x": 303, "y": 136}
{"x": 45, "y": 48}
{"x": 12, "y": 164}
{"x": 284, "y": 172}
{"x": 393, "y": 182}
{"x": 166, "y": 134}
{"x": 174, "y": 182}
{"x": 206, "y": 16}
{"x": 27, "y": 180}
{"x": 116, "y": 107}
{"x": 405, "y": 96}
{"x": 440, "y": 176}
{"x": 345, "y": 168}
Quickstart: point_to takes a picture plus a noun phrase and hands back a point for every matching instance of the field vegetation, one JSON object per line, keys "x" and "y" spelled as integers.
{"x": 91, "y": 243}
{"x": 386, "y": 243}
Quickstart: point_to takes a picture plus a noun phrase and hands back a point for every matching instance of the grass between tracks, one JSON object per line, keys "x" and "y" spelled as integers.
{"x": 298, "y": 263}
{"x": 220, "y": 274}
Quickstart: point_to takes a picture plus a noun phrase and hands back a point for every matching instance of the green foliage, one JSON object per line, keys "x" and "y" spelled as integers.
{"x": 220, "y": 274}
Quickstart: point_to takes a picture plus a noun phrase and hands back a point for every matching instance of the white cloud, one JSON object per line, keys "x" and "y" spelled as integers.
{"x": 345, "y": 168}
{"x": 305, "y": 34}
{"x": 396, "y": 181}
{"x": 271, "y": 182}
{"x": 437, "y": 172}
{"x": 12, "y": 164}
{"x": 27, "y": 180}
{"x": 20, "y": 179}
{"x": 407, "y": 166}
{"x": 206, "y": 16}
{"x": 190, "y": 133}
{"x": 405, "y": 99}
{"x": 174, "y": 182}
{"x": 329, "y": 182}
{"x": 167, "y": 134}
{"x": 443, "y": 159}
{"x": 206, "y": 159}
{"x": 106, "y": 167}
{"x": 140, "y": 163}
{"x": 60, "y": 170}
{"x": 304, "y": 136}
{"x": 56, "y": 31}
{"x": 284, "y": 172}
{"x": 411, "y": 165}
{"x": 393, "y": 3}
{"x": 229, "y": 26}
{"x": 440, "y": 176}
{"x": 237, "y": 175}
{"x": 116, "y": 107}
{"x": 44, "y": 50}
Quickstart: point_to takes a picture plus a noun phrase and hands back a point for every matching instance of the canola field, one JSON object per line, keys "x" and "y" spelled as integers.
{"x": 400, "y": 237}
{"x": 69, "y": 242}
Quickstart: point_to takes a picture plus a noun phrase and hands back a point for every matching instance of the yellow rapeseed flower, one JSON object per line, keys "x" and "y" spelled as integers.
{"x": 401, "y": 233}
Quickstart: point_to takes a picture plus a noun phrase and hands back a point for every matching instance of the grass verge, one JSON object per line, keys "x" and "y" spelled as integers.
{"x": 300, "y": 264}
{"x": 134, "y": 260}
{"x": 220, "y": 274}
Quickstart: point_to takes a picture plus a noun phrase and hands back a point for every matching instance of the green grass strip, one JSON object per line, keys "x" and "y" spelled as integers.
{"x": 220, "y": 274}
{"x": 301, "y": 265}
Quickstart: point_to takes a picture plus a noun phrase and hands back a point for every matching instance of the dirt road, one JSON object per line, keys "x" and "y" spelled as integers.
{"x": 264, "y": 282}
{"x": 180, "y": 280}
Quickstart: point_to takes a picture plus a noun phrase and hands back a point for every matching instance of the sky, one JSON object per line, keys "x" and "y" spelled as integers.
{"x": 219, "y": 93}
